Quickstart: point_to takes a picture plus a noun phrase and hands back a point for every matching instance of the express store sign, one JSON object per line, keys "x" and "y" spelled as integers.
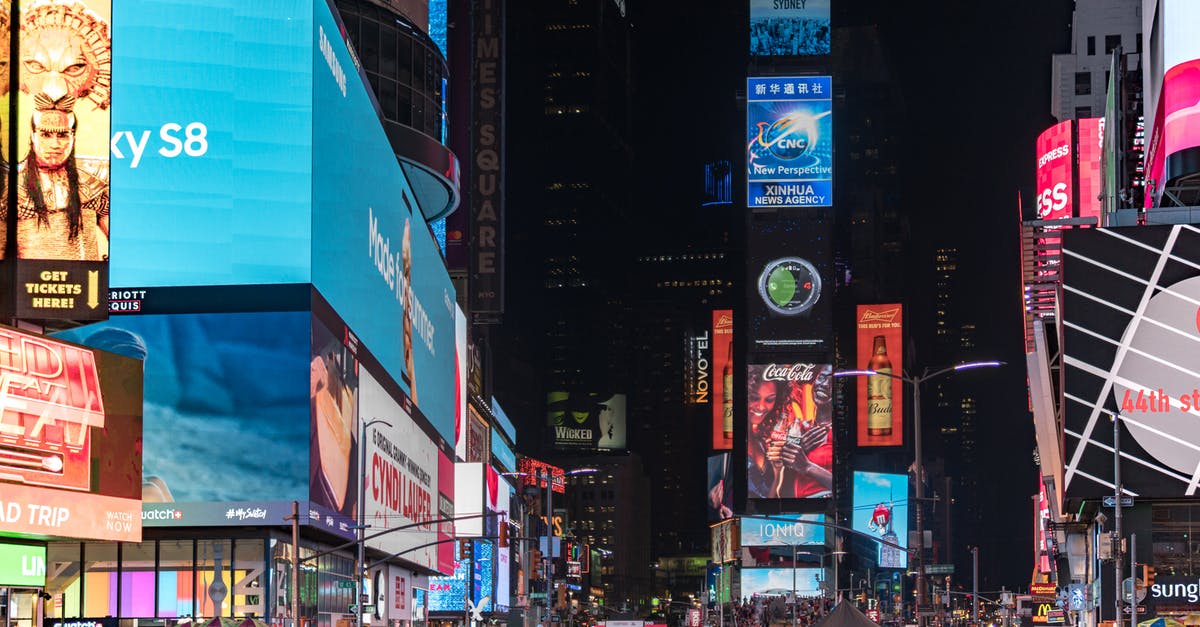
{"x": 1054, "y": 172}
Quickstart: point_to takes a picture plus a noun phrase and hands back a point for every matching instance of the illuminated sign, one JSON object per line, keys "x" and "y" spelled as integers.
{"x": 790, "y": 282}
{"x": 719, "y": 499}
{"x": 534, "y": 472}
{"x": 783, "y": 530}
{"x": 22, "y": 565}
{"x": 700, "y": 368}
{"x": 1174, "y": 128}
{"x": 722, "y": 379}
{"x": 789, "y": 150}
{"x": 789, "y": 28}
{"x": 1055, "y": 181}
{"x": 789, "y": 430}
{"x": 724, "y": 541}
{"x": 502, "y": 453}
{"x": 1089, "y": 165}
{"x": 487, "y": 163}
{"x": 880, "y": 331}
{"x": 807, "y": 582}
{"x": 881, "y": 511}
{"x": 586, "y": 420}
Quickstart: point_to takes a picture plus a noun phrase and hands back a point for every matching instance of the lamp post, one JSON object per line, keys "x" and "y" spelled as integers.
{"x": 918, "y": 464}
{"x": 822, "y": 557}
{"x": 361, "y": 527}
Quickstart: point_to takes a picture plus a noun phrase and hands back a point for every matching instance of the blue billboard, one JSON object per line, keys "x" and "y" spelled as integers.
{"x": 881, "y": 511}
{"x": 789, "y": 28}
{"x": 805, "y": 582}
{"x": 211, "y": 165}
{"x": 789, "y": 150}
{"x": 483, "y": 590}
{"x": 449, "y": 594}
{"x": 502, "y": 453}
{"x": 784, "y": 530}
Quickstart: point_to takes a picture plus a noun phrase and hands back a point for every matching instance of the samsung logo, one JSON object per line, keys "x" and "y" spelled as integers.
{"x": 335, "y": 67}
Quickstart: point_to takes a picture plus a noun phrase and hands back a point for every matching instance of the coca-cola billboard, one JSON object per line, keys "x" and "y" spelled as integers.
{"x": 789, "y": 435}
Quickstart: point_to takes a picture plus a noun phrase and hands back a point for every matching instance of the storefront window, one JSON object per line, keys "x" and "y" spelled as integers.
{"x": 175, "y": 580}
{"x": 249, "y": 578}
{"x": 137, "y": 580}
{"x": 63, "y": 570}
{"x": 213, "y": 583}
{"x": 100, "y": 579}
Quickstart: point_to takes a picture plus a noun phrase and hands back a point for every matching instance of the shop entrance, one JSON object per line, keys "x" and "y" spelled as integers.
{"x": 20, "y": 607}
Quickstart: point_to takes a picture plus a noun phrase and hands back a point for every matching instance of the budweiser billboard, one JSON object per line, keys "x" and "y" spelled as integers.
{"x": 722, "y": 379}
{"x": 1054, "y": 172}
{"x": 880, "y": 396}
{"x": 789, "y": 437}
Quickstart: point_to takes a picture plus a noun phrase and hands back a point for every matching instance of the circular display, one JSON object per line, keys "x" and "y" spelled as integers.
{"x": 789, "y": 286}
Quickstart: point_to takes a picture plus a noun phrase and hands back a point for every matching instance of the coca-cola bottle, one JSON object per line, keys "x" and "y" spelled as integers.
{"x": 879, "y": 390}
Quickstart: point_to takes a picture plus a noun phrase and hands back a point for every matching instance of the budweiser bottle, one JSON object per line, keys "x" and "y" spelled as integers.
{"x": 727, "y": 394}
{"x": 879, "y": 390}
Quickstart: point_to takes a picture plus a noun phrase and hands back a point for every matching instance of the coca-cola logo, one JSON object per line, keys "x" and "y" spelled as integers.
{"x": 789, "y": 372}
{"x": 886, "y": 315}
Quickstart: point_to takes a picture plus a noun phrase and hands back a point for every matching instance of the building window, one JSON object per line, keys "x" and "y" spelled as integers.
{"x": 1091, "y": 45}
{"x": 1083, "y": 83}
{"x": 208, "y": 554}
{"x": 1137, "y": 46}
{"x": 1083, "y": 112}
{"x": 62, "y": 579}
{"x": 1111, "y": 42}
{"x": 137, "y": 580}
{"x": 100, "y": 578}
{"x": 175, "y": 574}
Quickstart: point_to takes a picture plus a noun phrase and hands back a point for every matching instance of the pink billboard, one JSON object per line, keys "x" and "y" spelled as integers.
{"x": 1091, "y": 176}
{"x": 1054, "y": 172}
{"x": 1176, "y": 126}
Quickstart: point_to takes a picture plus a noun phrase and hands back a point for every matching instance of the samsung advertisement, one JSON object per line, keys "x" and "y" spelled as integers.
{"x": 789, "y": 28}
{"x": 790, "y": 283}
{"x": 789, "y": 430}
{"x": 789, "y": 149}
{"x": 881, "y": 511}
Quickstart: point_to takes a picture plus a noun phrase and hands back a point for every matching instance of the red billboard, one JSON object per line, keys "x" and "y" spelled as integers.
{"x": 1054, "y": 172}
{"x": 1176, "y": 127}
{"x": 789, "y": 430}
{"x": 880, "y": 397}
{"x": 531, "y": 469}
{"x": 70, "y": 440}
{"x": 722, "y": 380}
{"x": 1088, "y": 158}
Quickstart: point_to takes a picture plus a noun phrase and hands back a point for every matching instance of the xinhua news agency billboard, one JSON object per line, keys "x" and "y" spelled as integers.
{"x": 72, "y": 431}
{"x": 62, "y": 92}
{"x": 881, "y": 511}
{"x": 789, "y": 141}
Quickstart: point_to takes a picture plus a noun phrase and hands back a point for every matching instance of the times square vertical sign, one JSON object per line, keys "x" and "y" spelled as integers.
{"x": 789, "y": 148}
{"x": 486, "y": 168}
{"x": 56, "y": 96}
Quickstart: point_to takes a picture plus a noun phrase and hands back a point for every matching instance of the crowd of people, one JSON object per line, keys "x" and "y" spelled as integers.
{"x": 761, "y": 611}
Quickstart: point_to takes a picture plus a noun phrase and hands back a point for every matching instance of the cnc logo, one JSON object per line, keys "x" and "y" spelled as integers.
{"x": 788, "y": 138}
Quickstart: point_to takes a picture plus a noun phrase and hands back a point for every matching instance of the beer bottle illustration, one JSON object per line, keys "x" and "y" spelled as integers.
{"x": 879, "y": 390}
{"x": 727, "y": 395}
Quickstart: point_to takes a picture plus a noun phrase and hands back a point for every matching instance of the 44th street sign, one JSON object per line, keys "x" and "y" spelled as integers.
{"x": 1111, "y": 501}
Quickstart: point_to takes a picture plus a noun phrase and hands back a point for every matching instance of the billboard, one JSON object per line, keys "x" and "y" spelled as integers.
{"x": 586, "y": 420}
{"x": 449, "y": 593}
{"x": 502, "y": 453}
{"x": 1089, "y": 166}
{"x": 805, "y": 582}
{"x": 483, "y": 589}
{"x": 790, "y": 283}
{"x": 722, "y": 379}
{"x": 789, "y": 28}
{"x": 724, "y": 541}
{"x": 486, "y": 178}
{"x": 789, "y": 141}
{"x": 461, "y": 356}
{"x": 71, "y": 436}
{"x": 784, "y": 530}
{"x": 531, "y": 469}
{"x": 22, "y": 565}
{"x": 1174, "y": 131}
{"x": 698, "y": 370}
{"x": 1129, "y": 345}
{"x": 1055, "y": 179}
{"x": 719, "y": 499}
{"x": 61, "y": 218}
{"x": 881, "y": 511}
{"x": 880, "y": 330}
{"x": 789, "y": 430}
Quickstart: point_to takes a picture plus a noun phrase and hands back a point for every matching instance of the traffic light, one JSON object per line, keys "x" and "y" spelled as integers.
{"x": 504, "y": 534}
{"x": 464, "y": 550}
{"x": 562, "y": 596}
{"x": 535, "y": 564}
{"x": 1147, "y": 575}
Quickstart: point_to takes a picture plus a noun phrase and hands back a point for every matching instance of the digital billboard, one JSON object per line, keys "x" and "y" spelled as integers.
{"x": 880, "y": 331}
{"x": 784, "y": 530}
{"x": 724, "y": 541}
{"x": 461, "y": 359}
{"x": 22, "y": 565}
{"x": 790, "y": 283}
{"x": 722, "y": 379}
{"x": 449, "y": 593}
{"x": 1173, "y": 139}
{"x": 586, "y": 420}
{"x": 1089, "y": 166}
{"x": 789, "y": 430}
{"x": 483, "y": 589}
{"x": 502, "y": 453}
{"x": 719, "y": 499}
{"x": 806, "y": 582}
{"x": 1129, "y": 345}
{"x": 71, "y": 435}
{"x": 534, "y": 473}
{"x": 64, "y": 81}
{"x": 789, "y": 141}
{"x": 789, "y": 28}
{"x": 881, "y": 511}
{"x": 1055, "y": 178}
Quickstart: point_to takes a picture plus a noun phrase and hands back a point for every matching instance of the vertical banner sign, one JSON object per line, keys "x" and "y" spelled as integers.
{"x": 722, "y": 380}
{"x": 1054, "y": 172}
{"x": 1090, "y": 177}
{"x": 61, "y": 217}
{"x": 487, "y": 147}
{"x": 880, "y": 397}
{"x": 789, "y": 150}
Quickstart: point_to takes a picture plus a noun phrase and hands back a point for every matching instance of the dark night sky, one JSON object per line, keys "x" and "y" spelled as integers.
{"x": 976, "y": 79}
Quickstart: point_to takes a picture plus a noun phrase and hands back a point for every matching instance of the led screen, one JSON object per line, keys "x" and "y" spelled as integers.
{"x": 582, "y": 420}
{"x": 22, "y": 565}
{"x": 449, "y": 593}
{"x": 218, "y": 158}
{"x": 1055, "y": 182}
{"x": 1129, "y": 345}
{"x": 719, "y": 500}
{"x": 789, "y": 434}
{"x": 789, "y": 149}
{"x": 881, "y": 511}
{"x": 790, "y": 282}
{"x": 1091, "y": 180}
{"x": 784, "y": 530}
{"x": 72, "y": 439}
{"x": 880, "y": 397}
{"x": 722, "y": 379}
{"x": 483, "y": 592}
{"x": 502, "y": 453}
{"x": 208, "y": 376}
{"x": 1174, "y": 133}
{"x": 789, "y": 28}
{"x": 806, "y": 582}
{"x": 724, "y": 541}
{"x": 64, "y": 81}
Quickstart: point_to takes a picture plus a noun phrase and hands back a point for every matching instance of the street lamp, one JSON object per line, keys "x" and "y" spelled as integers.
{"x": 361, "y": 527}
{"x": 915, "y": 382}
{"x": 822, "y": 557}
